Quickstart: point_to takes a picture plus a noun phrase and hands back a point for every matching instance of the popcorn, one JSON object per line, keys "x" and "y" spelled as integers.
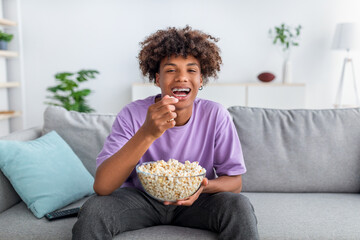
{"x": 171, "y": 180}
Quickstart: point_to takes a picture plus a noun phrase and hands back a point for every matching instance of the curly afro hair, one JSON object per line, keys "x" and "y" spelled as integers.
{"x": 180, "y": 42}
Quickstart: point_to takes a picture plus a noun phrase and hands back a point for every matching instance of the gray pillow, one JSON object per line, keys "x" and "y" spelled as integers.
{"x": 299, "y": 150}
{"x": 85, "y": 133}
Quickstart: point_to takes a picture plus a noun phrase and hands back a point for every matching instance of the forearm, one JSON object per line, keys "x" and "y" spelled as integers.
{"x": 224, "y": 184}
{"x": 114, "y": 171}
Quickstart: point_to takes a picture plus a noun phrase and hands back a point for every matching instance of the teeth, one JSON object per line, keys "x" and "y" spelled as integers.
{"x": 181, "y": 89}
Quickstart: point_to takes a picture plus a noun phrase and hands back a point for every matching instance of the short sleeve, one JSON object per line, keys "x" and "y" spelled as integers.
{"x": 228, "y": 155}
{"x": 121, "y": 132}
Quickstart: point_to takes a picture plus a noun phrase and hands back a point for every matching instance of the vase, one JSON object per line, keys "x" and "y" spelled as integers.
{"x": 3, "y": 45}
{"x": 287, "y": 71}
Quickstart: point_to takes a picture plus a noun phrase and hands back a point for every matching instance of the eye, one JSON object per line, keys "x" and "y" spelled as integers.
{"x": 192, "y": 70}
{"x": 170, "y": 70}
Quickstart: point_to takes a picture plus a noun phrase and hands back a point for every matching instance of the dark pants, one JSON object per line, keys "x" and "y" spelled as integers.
{"x": 231, "y": 215}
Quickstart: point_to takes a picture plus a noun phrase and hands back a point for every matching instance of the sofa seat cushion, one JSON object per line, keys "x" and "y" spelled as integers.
{"x": 19, "y": 223}
{"x": 166, "y": 232}
{"x": 307, "y": 215}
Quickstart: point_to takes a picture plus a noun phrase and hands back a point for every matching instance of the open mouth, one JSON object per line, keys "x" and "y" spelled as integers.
{"x": 180, "y": 93}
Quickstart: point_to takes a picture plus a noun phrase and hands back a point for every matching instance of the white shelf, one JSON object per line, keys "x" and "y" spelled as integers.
{"x": 250, "y": 94}
{"x": 7, "y": 22}
{"x": 6, "y": 53}
{"x": 346, "y": 106}
{"x": 243, "y": 84}
{"x": 10, "y": 114}
{"x": 9, "y": 84}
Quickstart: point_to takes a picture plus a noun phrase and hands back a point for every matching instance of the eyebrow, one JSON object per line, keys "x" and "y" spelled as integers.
{"x": 173, "y": 64}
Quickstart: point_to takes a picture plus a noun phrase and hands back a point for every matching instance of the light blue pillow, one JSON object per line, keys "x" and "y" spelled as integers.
{"x": 45, "y": 172}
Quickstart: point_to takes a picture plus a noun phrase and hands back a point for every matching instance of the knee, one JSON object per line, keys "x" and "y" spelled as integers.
{"x": 237, "y": 217}
{"x": 92, "y": 220}
{"x": 236, "y": 203}
{"x": 94, "y": 208}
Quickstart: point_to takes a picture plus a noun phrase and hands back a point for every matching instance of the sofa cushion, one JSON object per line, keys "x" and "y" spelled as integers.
{"x": 45, "y": 172}
{"x": 299, "y": 150}
{"x": 18, "y": 223}
{"x": 8, "y": 196}
{"x": 281, "y": 216}
{"x": 84, "y": 132}
{"x": 168, "y": 232}
{"x": 288, "y": 216}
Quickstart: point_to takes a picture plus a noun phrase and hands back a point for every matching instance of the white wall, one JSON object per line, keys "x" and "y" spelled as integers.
{"x": 70, "y": 35}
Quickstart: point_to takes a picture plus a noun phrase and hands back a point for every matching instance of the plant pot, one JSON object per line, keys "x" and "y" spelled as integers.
{"x": 287, "y": 71}
{"x": 3, "y": 45}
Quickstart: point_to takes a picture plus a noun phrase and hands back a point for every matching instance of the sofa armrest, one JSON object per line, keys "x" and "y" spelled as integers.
{"x": 8, "y": 196}
{"x": 24, "y": 135}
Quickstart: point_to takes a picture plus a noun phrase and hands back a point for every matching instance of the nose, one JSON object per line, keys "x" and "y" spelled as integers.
{"x": 181, "y": 77}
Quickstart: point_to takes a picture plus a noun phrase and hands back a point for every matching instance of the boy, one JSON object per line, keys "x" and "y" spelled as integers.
{"x": 176, "y": 125}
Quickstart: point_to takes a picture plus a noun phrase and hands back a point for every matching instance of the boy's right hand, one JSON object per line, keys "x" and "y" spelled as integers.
{"x": 160, "y": 117}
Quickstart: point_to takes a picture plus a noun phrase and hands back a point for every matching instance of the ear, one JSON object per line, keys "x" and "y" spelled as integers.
{"x": 157, "y": 79}
{"x": 201, "y": 80}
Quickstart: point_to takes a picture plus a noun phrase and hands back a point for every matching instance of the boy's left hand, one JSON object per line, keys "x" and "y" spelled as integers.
{"x": 190, "y": 200}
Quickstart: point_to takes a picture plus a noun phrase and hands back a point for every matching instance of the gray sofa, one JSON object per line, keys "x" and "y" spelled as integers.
{"x": 303, "y": 174}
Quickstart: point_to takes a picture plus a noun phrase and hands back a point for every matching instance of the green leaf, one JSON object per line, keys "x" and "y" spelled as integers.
{"x": 282, "y": 39}
{"x": 53, "y": 104}
{"x": 53, "y": 89}
{"x": 63, "y": 76}
{"x": 74, "y": 107}
{"x": 84, "y": 75}
{"x": 70, "y": 85}
{"x": 63, "y": 99}
{"x": 82, "y": 93}
{"x": 275, "y": 40}
{"x": 85, "y": 108}
{"x": 81, "y": 79}
{"x": 88, "y": 73}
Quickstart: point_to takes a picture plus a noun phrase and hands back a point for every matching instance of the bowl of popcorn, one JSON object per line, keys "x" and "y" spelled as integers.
{"x": 172, "y": 180}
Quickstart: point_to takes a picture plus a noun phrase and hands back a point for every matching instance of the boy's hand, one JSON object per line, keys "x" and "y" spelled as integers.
{"x": 160, "y": 116}
{"x": 190, "y": 200}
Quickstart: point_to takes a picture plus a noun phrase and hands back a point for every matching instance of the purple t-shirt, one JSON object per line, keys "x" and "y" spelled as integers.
{"x": 209, "y": 137}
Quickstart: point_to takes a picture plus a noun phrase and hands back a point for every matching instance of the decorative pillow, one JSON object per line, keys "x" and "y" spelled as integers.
{"x": 45, "y": 172}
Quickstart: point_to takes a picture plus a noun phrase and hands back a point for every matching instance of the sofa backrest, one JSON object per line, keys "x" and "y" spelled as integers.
{"x": 299, "y": 150}
{"x": 84, "y": 132}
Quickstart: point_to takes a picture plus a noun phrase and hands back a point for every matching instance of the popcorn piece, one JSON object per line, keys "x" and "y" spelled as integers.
{"x": 171, "y": 180}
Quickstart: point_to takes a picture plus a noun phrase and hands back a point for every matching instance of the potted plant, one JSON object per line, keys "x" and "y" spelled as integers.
{"x": 4, "y": 39}
{"x": 287, "y": 37}
{"x": 67, "y": 93}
